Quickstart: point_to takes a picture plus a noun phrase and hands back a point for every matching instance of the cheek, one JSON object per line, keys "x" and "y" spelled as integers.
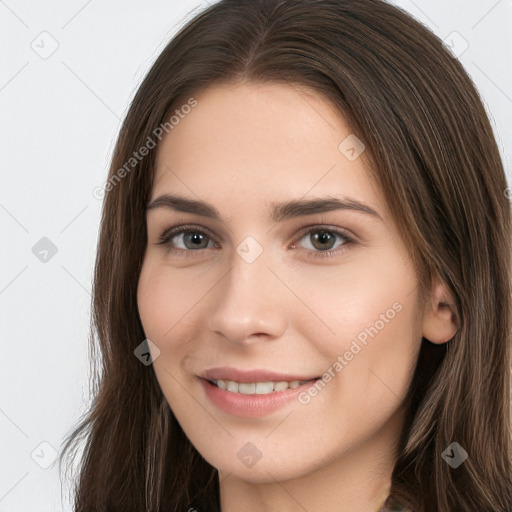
{"x": 153, "y": 300}
{"x": 372, "y": 287}
{"x": 165, "y": 298}
{"x": 167, "y": 321}
{"x": 369, "y": 330}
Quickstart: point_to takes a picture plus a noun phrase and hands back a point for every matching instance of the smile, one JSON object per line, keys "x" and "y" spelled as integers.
{"x": 252, "y": 399}
{"x": 258, "y": 388}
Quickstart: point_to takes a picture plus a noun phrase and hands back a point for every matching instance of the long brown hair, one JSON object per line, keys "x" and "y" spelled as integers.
{"x": 434, "y": 155}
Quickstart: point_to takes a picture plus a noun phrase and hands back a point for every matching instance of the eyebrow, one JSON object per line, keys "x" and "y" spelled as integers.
{"x": 279, "y": 211}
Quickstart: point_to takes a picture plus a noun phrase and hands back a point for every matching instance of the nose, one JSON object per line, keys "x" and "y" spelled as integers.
{"x": 250, "y": 303}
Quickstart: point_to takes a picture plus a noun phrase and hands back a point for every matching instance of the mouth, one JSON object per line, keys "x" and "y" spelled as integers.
{"x": 253, "y": 393}
{"x": 253, "y": 376}
{"x": 259, "y": 388}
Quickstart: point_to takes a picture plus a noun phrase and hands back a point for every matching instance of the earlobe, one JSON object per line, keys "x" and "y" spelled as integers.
{"x": 440, "y": 319}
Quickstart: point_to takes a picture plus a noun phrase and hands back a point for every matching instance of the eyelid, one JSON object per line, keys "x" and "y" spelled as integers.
{"x": 304, "y": 229}
{"x": 178, "y": 229}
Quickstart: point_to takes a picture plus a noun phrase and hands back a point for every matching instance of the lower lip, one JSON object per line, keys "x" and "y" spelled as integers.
{"x": 254, "y": 405}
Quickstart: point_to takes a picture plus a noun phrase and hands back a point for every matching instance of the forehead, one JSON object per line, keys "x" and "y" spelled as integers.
{"x": 262, "y": 141}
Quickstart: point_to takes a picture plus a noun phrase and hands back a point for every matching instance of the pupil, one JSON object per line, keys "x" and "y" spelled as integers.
{"x": 195, "y": 238}
{"x": 323, "y": 237}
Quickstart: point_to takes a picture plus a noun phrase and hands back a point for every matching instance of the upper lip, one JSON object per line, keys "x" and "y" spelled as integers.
{"x": 253, "y": 375}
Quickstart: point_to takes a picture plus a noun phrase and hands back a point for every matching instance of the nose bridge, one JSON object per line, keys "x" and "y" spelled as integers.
{"x": 246, "y": 302}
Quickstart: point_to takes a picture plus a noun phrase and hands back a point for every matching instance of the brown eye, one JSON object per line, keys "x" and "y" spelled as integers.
{"x": 319, "y": 242}
{"x": 322, "y": 240}
{"x": 193, "y": 239}
{"x": 185, "y": 239}
{"x": 325, "y": 241}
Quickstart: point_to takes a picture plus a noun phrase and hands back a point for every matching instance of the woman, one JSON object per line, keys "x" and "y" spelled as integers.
{"x": 303, "y": 280}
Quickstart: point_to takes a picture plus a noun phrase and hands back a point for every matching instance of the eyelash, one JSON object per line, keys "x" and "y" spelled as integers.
{"x": 166, "y": 237}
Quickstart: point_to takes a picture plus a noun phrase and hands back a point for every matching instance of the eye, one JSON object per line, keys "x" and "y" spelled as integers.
{"x": 185, "y": 239}
{"x": 320, "y": 241}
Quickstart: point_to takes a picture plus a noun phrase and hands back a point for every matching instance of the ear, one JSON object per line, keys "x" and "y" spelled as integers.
{"x": 440, "y": 318}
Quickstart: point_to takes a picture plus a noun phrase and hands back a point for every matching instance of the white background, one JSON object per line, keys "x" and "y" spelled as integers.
{"x": 60, "y": 118}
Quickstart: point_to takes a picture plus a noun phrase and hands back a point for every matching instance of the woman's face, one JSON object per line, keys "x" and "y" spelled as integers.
{"x": 269, "y": 278}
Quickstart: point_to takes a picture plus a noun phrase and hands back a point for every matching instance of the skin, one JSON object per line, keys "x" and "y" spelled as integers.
{"x": 242, "y": 147}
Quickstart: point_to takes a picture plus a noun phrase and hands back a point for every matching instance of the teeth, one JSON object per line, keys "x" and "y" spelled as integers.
{"x": 261, "y": 388}
{"x": 281, "y": 386}
{"x": 246, "y": 388}
{"x": 258, "y": 388}
{"x": 232, "y": 386}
